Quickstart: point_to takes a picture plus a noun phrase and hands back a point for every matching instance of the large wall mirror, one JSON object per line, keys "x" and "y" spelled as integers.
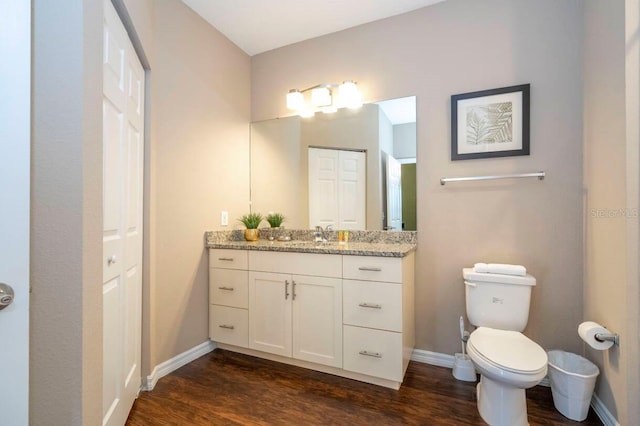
{"x": 354, "y": 169}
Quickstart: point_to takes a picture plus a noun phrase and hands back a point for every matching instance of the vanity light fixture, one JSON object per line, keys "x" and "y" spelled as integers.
{"x": 295, "y": 99}
{"x": 323, "y": 98}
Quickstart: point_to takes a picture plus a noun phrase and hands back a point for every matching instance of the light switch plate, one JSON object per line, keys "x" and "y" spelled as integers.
{"x": 224, "y": 218}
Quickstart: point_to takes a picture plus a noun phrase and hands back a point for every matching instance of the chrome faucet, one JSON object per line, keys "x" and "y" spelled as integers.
{"x": 319, "y": 234}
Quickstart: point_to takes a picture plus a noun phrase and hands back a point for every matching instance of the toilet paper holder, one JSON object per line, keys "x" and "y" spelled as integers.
{"x": 608, "y": 337}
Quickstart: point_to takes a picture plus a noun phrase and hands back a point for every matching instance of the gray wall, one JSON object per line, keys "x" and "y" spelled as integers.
{"x": 456, "y": 47}
{"x": 200, "y": 97}
{"x": 404, "y": 140}
{"x": 610, "y": 175}
{"x": 66, "y": 214}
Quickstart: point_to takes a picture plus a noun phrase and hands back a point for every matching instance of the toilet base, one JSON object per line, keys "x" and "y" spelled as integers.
{"x": 500, "y": 404}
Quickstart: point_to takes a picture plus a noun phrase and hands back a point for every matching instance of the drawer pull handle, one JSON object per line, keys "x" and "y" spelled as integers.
{"x": 368, "y": 268}
{"x": 226, "y": 288}
{"x": 228, "y": 327}
{"x": 370, "y": 305}
{"x": 293, "y": 290}
{"x": 371, "y": 354}
{"x": 226, "y": 259}
{"x": 286, "y": 289}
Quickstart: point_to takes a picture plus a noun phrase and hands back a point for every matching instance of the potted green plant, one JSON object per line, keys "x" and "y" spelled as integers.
{"x": 275, "y": 219}
{"x": 251, "y": 221}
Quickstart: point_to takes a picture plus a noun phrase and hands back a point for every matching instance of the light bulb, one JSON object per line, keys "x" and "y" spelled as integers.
{"x": 350, "y": 96}
{"x": 295, "y": 100}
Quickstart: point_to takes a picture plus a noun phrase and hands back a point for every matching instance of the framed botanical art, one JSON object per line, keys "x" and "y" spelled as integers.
{"x": 490, "y": 123}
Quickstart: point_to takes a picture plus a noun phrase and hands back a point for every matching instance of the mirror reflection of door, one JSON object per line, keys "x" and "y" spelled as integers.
{"x": 337, "y": 188}
{"x": 394, "y": 194}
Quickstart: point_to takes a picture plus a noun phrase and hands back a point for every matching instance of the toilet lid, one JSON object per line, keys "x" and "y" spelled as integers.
{"x": 508, "y": 350}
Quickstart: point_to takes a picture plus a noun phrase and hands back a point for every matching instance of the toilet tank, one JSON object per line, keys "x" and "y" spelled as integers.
{"x": 496, "y": 300}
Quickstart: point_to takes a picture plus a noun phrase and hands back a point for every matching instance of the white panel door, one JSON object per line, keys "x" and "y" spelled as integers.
{"x": 15, "y": 146}
{"x": 123, "y": 112}
{"x": 352, "y": 188}
{"x": 317, "y": 319}
{"x": 337, "y": 188}
{"x": 323, "y": 187}
{"x": 394, "y": 194}
{"x": 270, "y": 312}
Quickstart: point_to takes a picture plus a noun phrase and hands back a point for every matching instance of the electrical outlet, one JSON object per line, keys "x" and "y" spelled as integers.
{"x": 224, "y": 218}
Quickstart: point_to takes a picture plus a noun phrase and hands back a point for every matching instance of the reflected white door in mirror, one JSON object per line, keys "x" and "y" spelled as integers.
{"x": 337, "y": 188}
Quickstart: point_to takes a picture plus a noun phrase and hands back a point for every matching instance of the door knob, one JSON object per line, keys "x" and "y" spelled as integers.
{"x": 6, "y": 295}
{"x": 111, "y": 260}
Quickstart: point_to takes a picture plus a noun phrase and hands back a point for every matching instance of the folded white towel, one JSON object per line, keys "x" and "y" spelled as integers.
{"x": 500, "y": 268}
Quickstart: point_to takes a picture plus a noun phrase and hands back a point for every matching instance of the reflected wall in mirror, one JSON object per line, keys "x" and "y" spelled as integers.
{"x": 281, "y": 169}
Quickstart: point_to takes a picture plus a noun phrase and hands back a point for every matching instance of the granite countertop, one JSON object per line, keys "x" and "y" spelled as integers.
{"x": 364, "y": 245}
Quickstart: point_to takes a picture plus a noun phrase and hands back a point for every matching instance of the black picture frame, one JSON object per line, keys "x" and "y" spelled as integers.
{"x": 490, "y": 123}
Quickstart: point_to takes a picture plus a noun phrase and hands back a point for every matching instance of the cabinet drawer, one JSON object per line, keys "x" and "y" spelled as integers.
{"x": 321, "y": 265}
{"x": 372, "y": 268}
{"x": 373, "y": 304}
{"x": 373, "y": 352}
{"x": 229, "y": 325}
{"x": 229, "y": 259}
{"x": 229, "y": 287}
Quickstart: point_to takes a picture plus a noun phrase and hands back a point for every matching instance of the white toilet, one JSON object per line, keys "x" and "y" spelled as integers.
{"x": 507, "y": 360}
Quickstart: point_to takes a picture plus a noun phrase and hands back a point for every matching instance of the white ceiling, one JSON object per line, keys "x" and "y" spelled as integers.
{"x": 260, "y": 25}
{"x": 400, "y": 111}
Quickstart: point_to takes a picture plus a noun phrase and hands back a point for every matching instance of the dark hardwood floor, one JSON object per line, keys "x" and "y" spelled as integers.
{"x": 225, "y": 388}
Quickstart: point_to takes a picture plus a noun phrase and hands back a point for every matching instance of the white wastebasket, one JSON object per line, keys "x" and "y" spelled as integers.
{"x": 572, "y": 380}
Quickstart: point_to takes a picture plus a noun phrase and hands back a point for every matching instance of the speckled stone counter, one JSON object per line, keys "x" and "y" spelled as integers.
{"x": 361, "y": 243}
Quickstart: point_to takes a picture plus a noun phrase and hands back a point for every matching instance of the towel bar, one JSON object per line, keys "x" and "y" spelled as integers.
{"x": 540, "y": 175}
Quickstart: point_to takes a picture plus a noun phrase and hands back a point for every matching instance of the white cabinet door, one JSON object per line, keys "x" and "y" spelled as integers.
{"x": 270, "y": 312}
{"x": 317, "y": 319}
{"x": 123, "y": 112}
{"x": 15, "y": 124}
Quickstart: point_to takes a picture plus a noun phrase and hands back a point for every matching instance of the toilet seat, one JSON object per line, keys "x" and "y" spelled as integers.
{"x": 508, "y": 351}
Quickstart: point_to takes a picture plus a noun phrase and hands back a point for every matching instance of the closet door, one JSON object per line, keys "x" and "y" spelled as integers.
{"x": 123, "y": 113}
{"x": 337, "y": 188}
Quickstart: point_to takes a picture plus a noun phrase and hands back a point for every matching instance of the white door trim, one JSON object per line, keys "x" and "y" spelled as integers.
{"x": 15, "y": 151}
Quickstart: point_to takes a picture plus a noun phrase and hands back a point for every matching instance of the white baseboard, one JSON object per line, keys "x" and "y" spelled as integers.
{"x": 176, "y": 362}
{"x": 603, "y": 412}
{"x": 433, "y": 358}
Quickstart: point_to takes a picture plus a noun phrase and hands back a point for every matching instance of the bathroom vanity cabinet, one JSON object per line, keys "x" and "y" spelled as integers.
{"x": 347, "y": 315}
{"x": 229, "y": 297}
